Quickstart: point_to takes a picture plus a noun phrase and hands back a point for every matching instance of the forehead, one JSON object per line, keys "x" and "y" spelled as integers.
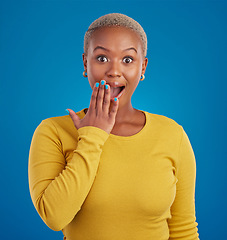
{"x": 115, "y": 37}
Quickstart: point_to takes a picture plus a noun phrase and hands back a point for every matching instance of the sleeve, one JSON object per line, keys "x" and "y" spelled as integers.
{"x": 182, "y": 225}
{"x": 59, "y": 188}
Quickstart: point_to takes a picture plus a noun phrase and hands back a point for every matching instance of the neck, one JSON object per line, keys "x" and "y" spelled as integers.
{"x": 125, "y": 113}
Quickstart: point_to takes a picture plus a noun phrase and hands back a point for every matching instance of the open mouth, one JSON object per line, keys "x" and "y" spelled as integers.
{"x": 116, "y": 91}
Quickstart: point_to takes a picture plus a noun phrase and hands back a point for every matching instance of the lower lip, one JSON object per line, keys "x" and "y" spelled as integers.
{"x": 120, "y": 94}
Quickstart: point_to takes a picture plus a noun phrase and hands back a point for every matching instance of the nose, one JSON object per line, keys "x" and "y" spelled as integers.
{"x": 114, "y": 69}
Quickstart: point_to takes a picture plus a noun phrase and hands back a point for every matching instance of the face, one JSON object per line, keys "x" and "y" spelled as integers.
{"x": 115, "y": 55}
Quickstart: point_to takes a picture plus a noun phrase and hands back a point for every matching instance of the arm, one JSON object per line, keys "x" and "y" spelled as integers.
{"x": 58, "y": 189}
{"x": 183, "y": 224}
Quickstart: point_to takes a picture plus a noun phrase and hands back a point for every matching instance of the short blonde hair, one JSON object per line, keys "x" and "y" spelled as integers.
{"x": 116, "y": 19}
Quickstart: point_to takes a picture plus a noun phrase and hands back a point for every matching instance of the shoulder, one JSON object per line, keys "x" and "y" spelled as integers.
{"x": 163, "y": 120}
{"x": 59, "y": 124}
{"x": 164, "y": 125}
{"x": 57, "y": 121}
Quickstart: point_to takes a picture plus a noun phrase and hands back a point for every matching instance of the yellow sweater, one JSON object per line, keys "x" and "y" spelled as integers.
{"x": 98, "y": 186}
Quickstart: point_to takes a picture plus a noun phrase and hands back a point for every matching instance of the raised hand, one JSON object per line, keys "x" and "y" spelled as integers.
{"x": 99, "y": 113}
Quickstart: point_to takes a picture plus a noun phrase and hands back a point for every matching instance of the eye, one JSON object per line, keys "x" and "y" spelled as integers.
{"x": 127, "y": 59}
{"x": 102, "y": 59}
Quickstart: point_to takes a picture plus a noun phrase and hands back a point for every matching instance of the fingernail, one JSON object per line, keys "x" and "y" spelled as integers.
{"x": 67, "y": 111}
{"x": 106, "y": 86}
{"x": 115, "y": 99}
{"x": 102, "y": 82}
{"x": 97, "y": 84}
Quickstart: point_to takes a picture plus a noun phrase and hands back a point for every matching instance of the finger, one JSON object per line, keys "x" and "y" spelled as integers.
{"x": 106, "y": 101}
{"x": 74, "y": 117}
{"x": 94, "y": 96}
{"x": 99, "y": 101}
{"x": 114, "y": 109}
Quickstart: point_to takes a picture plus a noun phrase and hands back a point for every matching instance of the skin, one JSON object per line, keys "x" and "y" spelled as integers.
{"x": 113, "y": 54}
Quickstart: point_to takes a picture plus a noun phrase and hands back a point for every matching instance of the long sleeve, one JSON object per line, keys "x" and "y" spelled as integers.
{"x": 183, "y": 224}
{"x": 58, "y": 187}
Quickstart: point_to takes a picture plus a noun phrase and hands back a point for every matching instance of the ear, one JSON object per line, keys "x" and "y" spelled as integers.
{"x": 144, "y": 65}
{"x": 85, "y": 61}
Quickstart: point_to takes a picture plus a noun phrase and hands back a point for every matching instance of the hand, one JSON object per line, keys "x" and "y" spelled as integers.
{"x": 99, "y": 114}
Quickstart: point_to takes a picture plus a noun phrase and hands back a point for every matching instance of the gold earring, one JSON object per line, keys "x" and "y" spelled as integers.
{"x": 142, "y": 77}
{"x": 84, "y": 73}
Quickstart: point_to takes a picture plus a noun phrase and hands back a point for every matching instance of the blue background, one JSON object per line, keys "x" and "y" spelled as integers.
{"x": 41, "y": 45}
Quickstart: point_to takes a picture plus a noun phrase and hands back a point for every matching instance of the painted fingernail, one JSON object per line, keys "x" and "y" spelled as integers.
{"x": 106, "y": 86}
{"x": 102, "y": 82}
{"x": 67, "y": 111}
{"x": 97, "y": 84}
{"x": 115, "y": 99}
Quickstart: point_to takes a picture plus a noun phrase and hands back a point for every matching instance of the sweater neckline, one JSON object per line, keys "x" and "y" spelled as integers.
{"x": 113, "y": 136}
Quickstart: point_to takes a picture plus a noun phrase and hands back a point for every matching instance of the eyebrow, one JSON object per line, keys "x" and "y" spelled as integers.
{"x": 100, "y": 47}
{"x": 131, "y": 48}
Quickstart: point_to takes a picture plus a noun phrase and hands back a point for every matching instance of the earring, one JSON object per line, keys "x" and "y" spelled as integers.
{"x": 142, "y": 77}
{"x": 84, "y": 73}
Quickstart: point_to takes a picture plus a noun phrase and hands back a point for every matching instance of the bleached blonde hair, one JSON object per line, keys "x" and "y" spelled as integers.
{"x": 116, "y": 19}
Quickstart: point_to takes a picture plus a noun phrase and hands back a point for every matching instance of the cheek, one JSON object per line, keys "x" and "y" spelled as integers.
{"x": 94, "y": 71}
{"x": 133, "y": 72}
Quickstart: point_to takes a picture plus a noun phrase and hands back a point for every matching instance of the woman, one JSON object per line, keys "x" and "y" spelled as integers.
{"x": 111, "y": 171}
